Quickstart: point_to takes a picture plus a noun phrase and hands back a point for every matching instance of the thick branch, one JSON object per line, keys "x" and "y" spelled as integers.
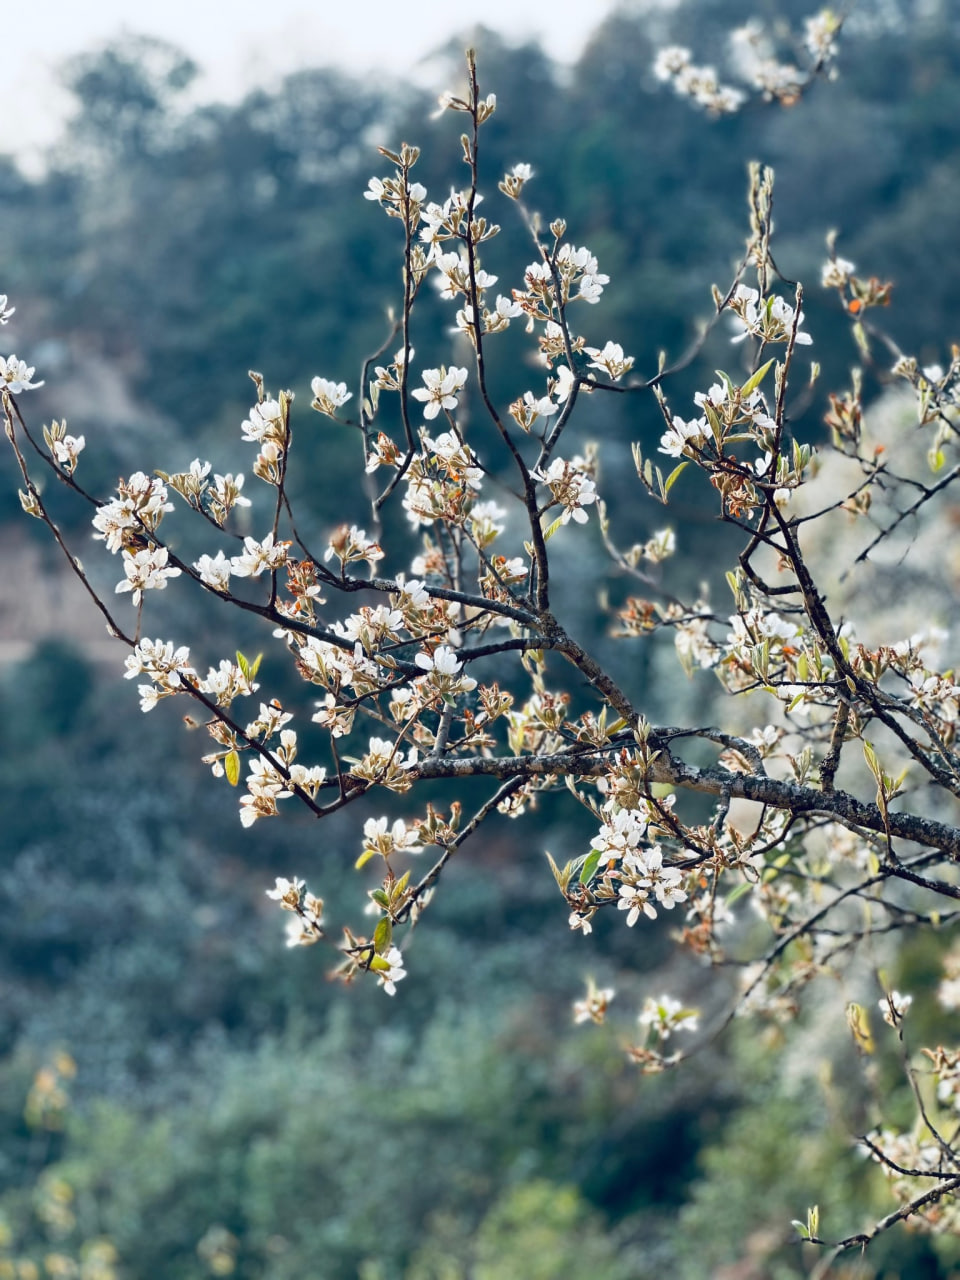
{"x": 840, "y": 806}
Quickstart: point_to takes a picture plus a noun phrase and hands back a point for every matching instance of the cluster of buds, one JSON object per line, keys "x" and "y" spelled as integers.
{"x": 146, "y": 570}
{"x": 937, "y": 389}
{"x": 665, "y": 1015}
{"x": 535, "y": 727}
{"x": 512, "y": 183}
{"x": 770, "y": 319}
{"x": 905, "y": 1159}
{"x": 855, "y": 294}
{"x": 65, "y": 449}
{"x": 385, "y": 765}
{"x": 388, "y": 378}
{"x": 593, "y": 1007}
{"x": 493, "y": 320}
{"x": 227, "y": 681}
{"x": 269, "y": 426}
{"x": 273, "y": 777}
{"x": 328, "y": 396}
{"x": 755, "y": 59}
{"x": 643, "y": 878}
{"x": 259, "y": 557}
{"x": 442, "y": 482}
{"x": 571, "y": 487}
{"x": 452, "y": 221}
{"x": 443, "y": 678}
{"x": 124, "y": 521}
{"x": 381, "y": 839}
{"x": 168, "y": 668}
{"x": 674, "y": 66}
{"x": 351, "y": 545}
{"x": 306, "y": 926}
{"x": 336, "y": 668}
{"x": 15, "y": 375}
{"x": 399, "y": 197}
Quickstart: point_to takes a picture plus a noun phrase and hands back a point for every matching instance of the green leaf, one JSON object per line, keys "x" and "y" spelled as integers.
{"x": 713, "y": 419}
{"x": 231, "y": 767}
{"x": 752, "y": 383}
{"x": 873, "y": 763}
{"x": 383, "y": 936}
{"x": 673, "y": 477}
{"x": 365, "y": 858}
{"x": 552, "y": 529}
{"x": 244, "y": 665}
{"x": 735, "y": 894}
{"x": 590, "y": 866}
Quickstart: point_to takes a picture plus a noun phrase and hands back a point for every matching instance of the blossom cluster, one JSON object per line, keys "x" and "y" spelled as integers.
{"x": 754, "y": 57}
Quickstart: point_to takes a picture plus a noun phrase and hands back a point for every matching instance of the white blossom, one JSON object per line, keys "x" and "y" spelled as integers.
{"x": 145, "y": 571}
{"x": 287, "y": 892}
{"x": 666, "y": 1015}
{"x": 593, "y": 1007}
{"x": 380, "y": 837}
{"x": 350, "y": 544}
{"x": 265, "y": 420}
{"x": 15, "y": 375}
{"x": 770, "y": 319}
{"x": 621, "y": 832}
{"x": 819, "y": 35}
{"x": 389, "y": 977}
{"x": 507, "y": 308}
{"x": 682, "y": 435}
{"x": 440, "y": 390}
{"x": 140, "y": 505}
{"x": 894, "y": 1007}
{"x": 610, "y": 360}
{"x": 329, "y": 396}
{"x": 214, "y": 571}
{"x": 443, "y": 669}
{"x": 835, "y": 273}
{"x": 258, "y": 557}
{"x": 670, "y": 61}
{"x": 570, "y": 487}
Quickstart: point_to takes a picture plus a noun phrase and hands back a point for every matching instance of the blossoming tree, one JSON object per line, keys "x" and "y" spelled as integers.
{"x": 458, "y": 666}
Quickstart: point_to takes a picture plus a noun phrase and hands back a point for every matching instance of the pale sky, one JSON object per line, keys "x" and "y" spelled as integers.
{"x": 240, "y": 43}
